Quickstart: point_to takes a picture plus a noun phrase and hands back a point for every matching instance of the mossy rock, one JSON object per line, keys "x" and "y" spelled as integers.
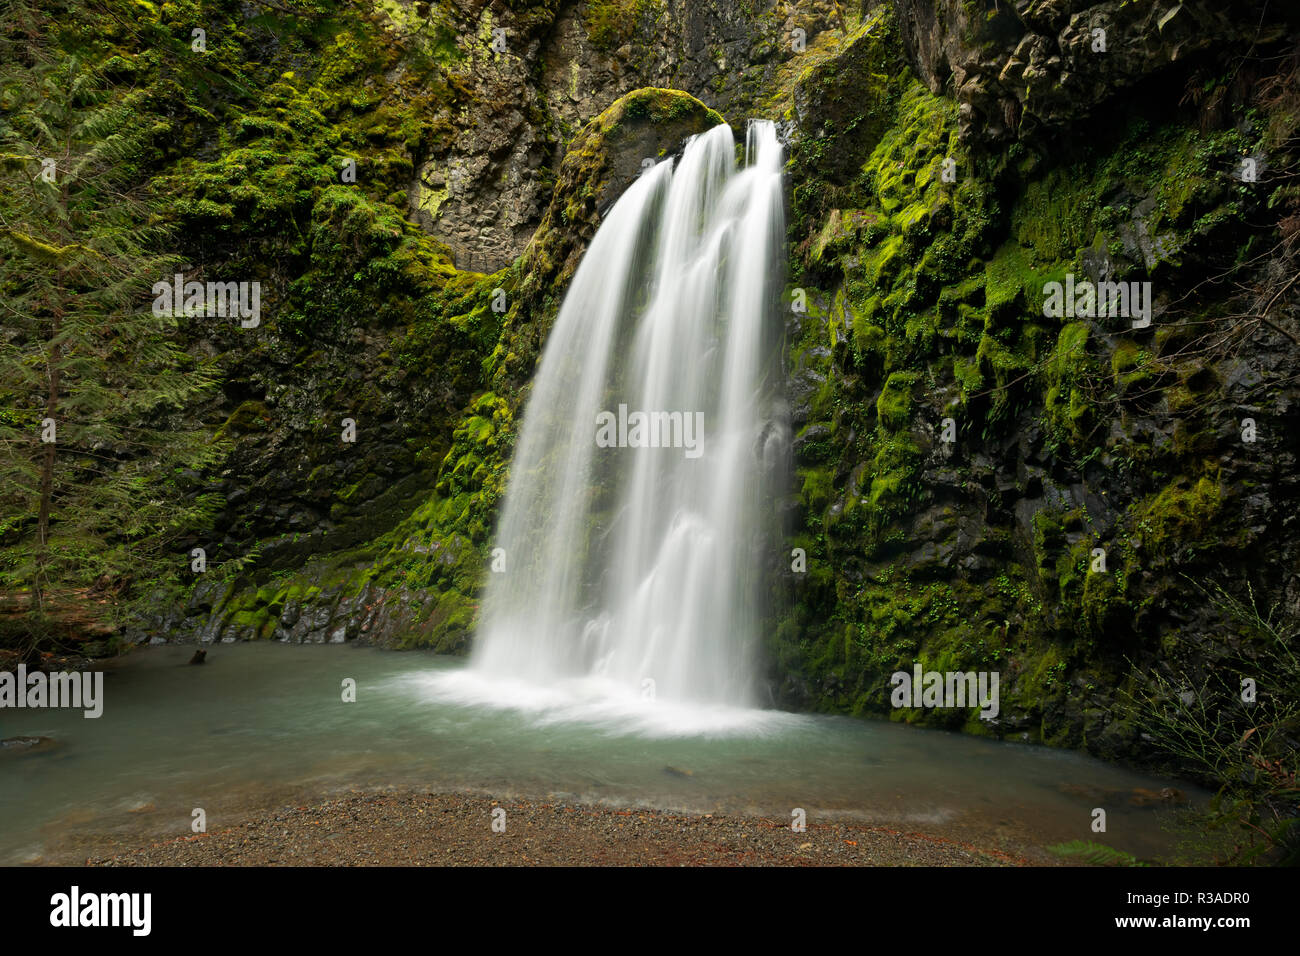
{"x": 602, "y": 160}
{"x": 894, "y": 406}
{"x": 249, "y": 417}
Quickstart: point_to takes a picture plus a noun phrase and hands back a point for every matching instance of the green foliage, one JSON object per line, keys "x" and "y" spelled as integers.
{"x": 84, "y": 350}
{"x": 894, "y": 406}
{"x": 611, "y": 23}
{"x": 1181, "y": 512}
{"x": 1094, "y": 854}
{"x": 1198, "y": 715}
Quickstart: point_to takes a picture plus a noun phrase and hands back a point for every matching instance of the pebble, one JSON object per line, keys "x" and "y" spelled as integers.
{"x": 396, "y": 828}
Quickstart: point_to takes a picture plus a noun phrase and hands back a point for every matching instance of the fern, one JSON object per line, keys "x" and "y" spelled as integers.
{"x": 1094, "y": 854}
{"x": 99, "y": 503}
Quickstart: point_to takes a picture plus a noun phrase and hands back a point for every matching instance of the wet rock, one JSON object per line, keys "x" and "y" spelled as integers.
{"x": 1022, "y": 68}
{"x": 1143, "y": 797}
{"x": 28, "y": 745}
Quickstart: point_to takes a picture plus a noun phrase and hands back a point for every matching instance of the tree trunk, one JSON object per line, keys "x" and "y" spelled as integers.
{"x": 47, "y": 460}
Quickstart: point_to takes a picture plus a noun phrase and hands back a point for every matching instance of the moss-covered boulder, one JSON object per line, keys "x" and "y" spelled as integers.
{"x": 647, "y": 125}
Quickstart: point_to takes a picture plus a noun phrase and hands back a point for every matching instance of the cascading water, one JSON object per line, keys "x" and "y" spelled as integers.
{"x": 641, "y": 496}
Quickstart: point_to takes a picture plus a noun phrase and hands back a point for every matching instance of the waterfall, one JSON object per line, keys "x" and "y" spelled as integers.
{"x": 641, "y": 497}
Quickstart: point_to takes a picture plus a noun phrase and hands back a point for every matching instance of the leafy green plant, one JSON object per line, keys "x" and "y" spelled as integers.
{"x": 1094, "y": 854}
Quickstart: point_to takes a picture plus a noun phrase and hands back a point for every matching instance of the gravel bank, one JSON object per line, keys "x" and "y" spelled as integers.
{"x": 450, "y": 829}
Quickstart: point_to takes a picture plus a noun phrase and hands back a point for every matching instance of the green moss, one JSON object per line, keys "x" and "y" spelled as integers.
{"x": 894, "y": 471}
{"x": 1130, "y": 366}
{"x": 433, "y": 33}
{"x": 894, "y": 405}
{"x": 611, "y": 23}
{"x": 816, "y": 488}
{"x": 1068, "y": 409}
{"x": 249, "y": 417}
{"x": 258, "y": 621}
{"x": 942, "y": 286}
{"x": 1181, "y": 512}
{"x": 656, "y": 106}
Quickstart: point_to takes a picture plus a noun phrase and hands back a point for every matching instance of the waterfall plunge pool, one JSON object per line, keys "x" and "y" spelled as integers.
{"x": 263, "y": 725}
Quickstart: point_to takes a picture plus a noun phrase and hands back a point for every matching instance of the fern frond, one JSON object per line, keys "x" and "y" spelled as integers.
{"x": 1094, "y": 854}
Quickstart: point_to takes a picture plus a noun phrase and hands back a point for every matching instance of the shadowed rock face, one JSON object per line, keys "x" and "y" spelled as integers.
{"x": 1016, "y": 66}
{"x": 483, "y": 191}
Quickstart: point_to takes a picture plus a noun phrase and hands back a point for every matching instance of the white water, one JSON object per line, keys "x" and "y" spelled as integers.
{"x": 630, "y": 590}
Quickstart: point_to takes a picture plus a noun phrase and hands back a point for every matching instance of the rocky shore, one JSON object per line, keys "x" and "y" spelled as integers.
{"x": 450, "y": 829}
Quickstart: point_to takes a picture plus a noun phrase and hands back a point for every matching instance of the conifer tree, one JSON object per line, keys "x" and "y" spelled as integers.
{"x": 92, "y": 381}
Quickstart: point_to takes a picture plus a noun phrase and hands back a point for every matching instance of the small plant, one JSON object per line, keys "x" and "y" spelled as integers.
{"x": 1233, "y": 727}
{"x": 1094, "y": 854}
